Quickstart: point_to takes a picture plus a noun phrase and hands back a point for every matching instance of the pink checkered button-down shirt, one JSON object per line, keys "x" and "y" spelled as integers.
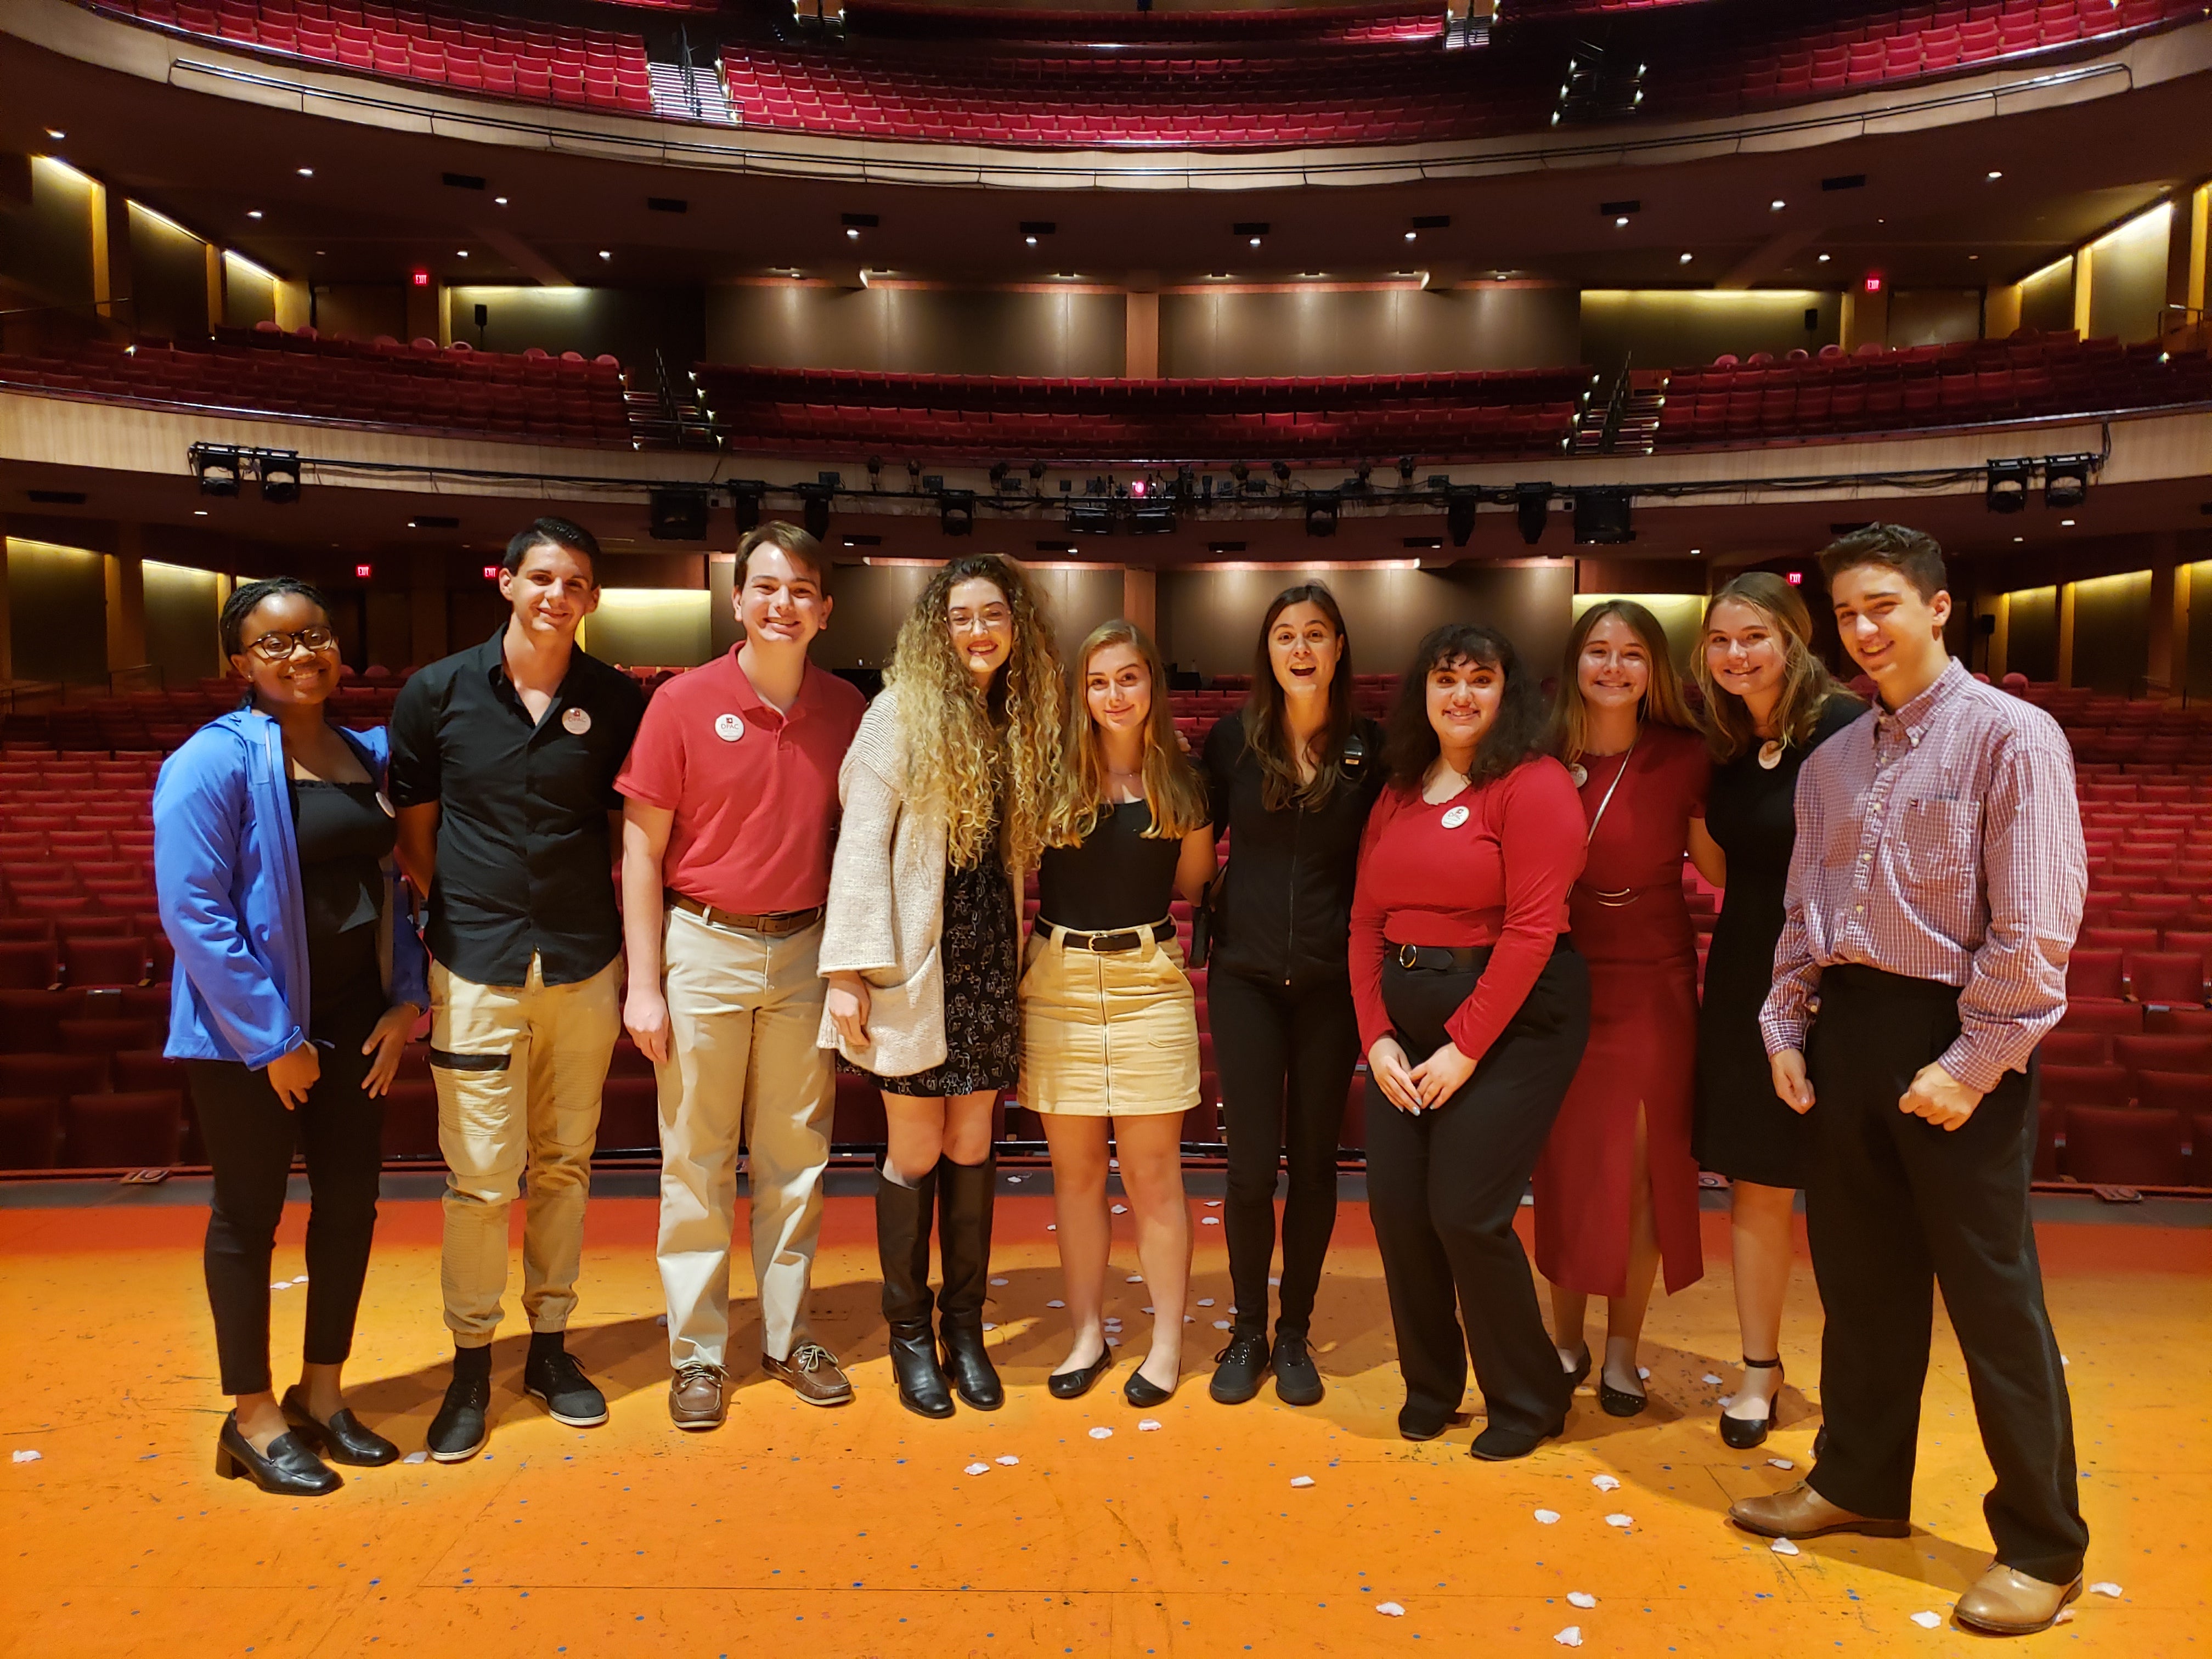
{"x": 1942, "y": 842}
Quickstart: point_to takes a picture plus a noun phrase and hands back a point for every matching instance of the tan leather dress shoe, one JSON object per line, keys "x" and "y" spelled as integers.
{"x": 1800, "y": 1512}
{"x": 813, "y": 1375}
{"x": 696, "y": 1397}
{"x": 2005, "y": 1602}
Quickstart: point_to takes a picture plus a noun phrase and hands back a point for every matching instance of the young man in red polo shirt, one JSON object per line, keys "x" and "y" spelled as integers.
{"x": 731, "y": 807}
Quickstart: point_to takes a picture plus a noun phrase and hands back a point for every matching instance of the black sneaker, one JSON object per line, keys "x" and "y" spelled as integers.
{"x": 459, "y": 1430}
{"x": 1240, "y": 1367}
{"x": 1297, "y": 1381}
{"x": 552, "y": 1375}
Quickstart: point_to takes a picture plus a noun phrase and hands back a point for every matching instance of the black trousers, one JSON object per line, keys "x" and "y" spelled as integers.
{"x": 1285, "y": 1054}
{"x": 1444, "y": 1187}
{"x": 1897, "y": 1206}
{"x": 251, "y": 1141}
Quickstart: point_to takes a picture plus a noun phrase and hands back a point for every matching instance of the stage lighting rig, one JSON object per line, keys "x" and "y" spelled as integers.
{"x": 875, "y": 471}
{"x": 677, "y": 515}
{"x": 217, "y": 466}
{"x": 1321, "y": 513}
{"x": 1091, "y": 516}
{"x": 1532, "y": 506}
{"x": 1282, "y": 472}
{"x": 2007, "y": 485}
{"x": 816, "y": 517}
{"x": 1000, "y": 471}
{"x": 956, "y": 511}
{"x": 1459, "y": 515}
{"x": 1602, "y": 516}
{"x": 1405, "y": 465}
{"x": 280, "y": 475}
{"x": 2065, "y": 480}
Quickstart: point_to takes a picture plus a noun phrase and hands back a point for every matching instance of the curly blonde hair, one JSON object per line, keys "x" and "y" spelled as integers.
{"x": 1172, "y": 786}
{"x": 972, "y": 752}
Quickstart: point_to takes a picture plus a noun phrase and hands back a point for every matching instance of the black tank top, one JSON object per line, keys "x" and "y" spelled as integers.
{"x": 1118, "y": 877}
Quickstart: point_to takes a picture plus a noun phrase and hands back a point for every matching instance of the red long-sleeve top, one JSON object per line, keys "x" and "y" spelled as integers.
{"x": 1499, "y": 877}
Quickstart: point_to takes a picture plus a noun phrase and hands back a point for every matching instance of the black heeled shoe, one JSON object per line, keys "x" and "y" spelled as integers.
{"x": 287, "y": 1468}
{"x": 343, "y": 1439}
{"x": 1074, "y": 1385}
{"x": 1742, "y": 1433}
{"x": 1619, "y": 1402}
{"x": 1581, "y": 1369}
{"x": 1141, "y": 1391}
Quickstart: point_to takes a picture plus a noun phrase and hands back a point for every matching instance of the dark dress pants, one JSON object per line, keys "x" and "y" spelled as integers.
{"x": 1444, "y": 1188}
{"x": 1285, "y": 1054}
{"x": 1897, "y": 1206}
{"x": 251, "y": 1141}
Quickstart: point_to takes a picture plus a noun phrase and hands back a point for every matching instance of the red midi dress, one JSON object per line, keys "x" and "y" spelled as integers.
{"x": 1642, "y": 957}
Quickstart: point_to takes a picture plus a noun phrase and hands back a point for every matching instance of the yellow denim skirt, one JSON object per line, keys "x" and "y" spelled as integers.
{"x": 1107, "y": 1034}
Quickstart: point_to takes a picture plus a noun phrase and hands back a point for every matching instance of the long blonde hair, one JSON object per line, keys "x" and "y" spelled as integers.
{"x": 1806, "y": 685}
{"x": 972, "y": 753}
{"x": 1171, "y": 783}
{"x": 1663, "y": 703}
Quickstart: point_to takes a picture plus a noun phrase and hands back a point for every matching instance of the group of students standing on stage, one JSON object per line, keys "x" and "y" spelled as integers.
{"x": 1483, "y": 899}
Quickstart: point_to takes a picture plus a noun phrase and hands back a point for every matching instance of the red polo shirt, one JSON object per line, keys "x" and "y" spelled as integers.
{"x": 754, "y": 791}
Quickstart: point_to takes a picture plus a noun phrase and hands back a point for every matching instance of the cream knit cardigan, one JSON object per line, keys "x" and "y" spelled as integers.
{"x": 886, "y": 908}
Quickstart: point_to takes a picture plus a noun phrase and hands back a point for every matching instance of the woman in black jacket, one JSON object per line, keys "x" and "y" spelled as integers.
{"x": 1292, "y": 778}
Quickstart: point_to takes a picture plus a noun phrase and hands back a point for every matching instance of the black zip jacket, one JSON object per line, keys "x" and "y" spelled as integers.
{"x": 1285, "y": 910}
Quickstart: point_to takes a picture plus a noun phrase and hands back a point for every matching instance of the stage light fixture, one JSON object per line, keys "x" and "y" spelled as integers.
{"x": 913, "y": 474}
{"x": 1364, "y": 472}
{"x": 1602, "y": 516}
{"x": 875, "y": 471}
{"x": 2007, "y": 485}
{"x": 1091, "y": 517}
{"x": 1406, "y": 469}
{"x": 745, "y": 497}
{"x": 1152, "y": 518}
{"x": 677, "y": 515}
{"x": 1239, "y": 471}
{"x": 1000, "y": 471}
{"x": 1532, "y": 506}
{"x": 1036, "y": 471}
{"x": 280, "y": 478}
{"x": 216, "y": 466}
{"x": 1282, "y": 472}
{"x": 816, "y": 518}
{"x": 956, "y": 511}
{"x": 1459, "y": 516}
{"x": 2066, "y": 479}
{"x": 1320, "y": 514}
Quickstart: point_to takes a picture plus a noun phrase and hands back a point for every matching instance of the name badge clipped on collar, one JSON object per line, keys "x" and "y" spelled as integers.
{"x": 577, "y": 721}
{"x": 1454, "y": 817}
{"x": 729, "y": 728}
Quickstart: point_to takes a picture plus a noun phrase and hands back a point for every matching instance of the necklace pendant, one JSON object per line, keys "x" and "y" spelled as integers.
{"x": 1577, "y": 774}
{"x": 1770, "y": 754}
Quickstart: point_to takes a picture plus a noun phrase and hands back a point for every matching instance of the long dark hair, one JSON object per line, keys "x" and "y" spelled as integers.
{"x": 1517, "y": 735}
{"x": 1265, "y": 730}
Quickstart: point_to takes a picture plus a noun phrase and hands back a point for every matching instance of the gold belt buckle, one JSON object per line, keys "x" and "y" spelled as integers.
{"x": 1409, "y": 956}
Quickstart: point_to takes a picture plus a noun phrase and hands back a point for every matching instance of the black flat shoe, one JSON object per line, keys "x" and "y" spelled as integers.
{"x": 1239, "y": 1368}
{"x": 1074, "y": 1385}
{"x": 1141, "y": 1391}
{"x": 344, "y": 1439}
{"x": 1417, "y": 1429}
{"x": 1619, "y": 1402}
{"x": 1742, "y": 1433}
{"x": 1497, "y": 1445}
{"x": 1298, "y": 1381}
{"x": 1581, "y": 1370}
{"x": 287, "y": 1468}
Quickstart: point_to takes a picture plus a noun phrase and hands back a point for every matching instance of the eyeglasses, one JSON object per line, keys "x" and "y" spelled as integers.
{"x": 989, "y": 617}
{"x": 277, "y": 648}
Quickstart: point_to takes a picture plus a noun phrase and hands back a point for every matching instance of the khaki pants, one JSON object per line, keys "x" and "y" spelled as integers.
{"x": 518, "y": 1071}
{"x": 743, "y": 1011}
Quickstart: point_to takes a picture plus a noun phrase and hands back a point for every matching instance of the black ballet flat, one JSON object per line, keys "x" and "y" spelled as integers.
{"x": 287, "y": 1468}
{"x": 344, "y": 1439}
{"x": 1141, "y": 1391}
{"x": 1074, "y": 1385}
{"x": 1499, "y": 1445}
{"x": 1581, "y": 1370}
{"x": 1619, "y": 1402}
{"x": 1742, "y": 1433}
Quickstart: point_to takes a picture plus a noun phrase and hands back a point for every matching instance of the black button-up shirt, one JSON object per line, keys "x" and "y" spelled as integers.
{"x": 524, "y": 861}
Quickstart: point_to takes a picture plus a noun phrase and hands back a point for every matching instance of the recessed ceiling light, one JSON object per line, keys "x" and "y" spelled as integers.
{"x": 1776, "y": 205}
{"x": 460, "y": 254}
{"x": 2067, "y": 523}
{"x": 1824, "y": 258}
{"x": 852, "y": 233}
{"x": 253, "y": 213}
{"x": 2020, "y": 538}
{"x": 1255, "y": 241}
{"x": 1031, "y": 240}
{"x": 1413, "y": 235}
{"x": 1994, "y": 175}
{"x": 200, "y": 513}
{"x": 1684, "y": 259}
{"x": 1620, "y": 221}
{"x": 1217, "y": 276}
{"x": 306, "y": 173}
{"x": 56, "y": 134}
{"x": 1972, "y": 257}
{"x": 500, "y": 200}
{"x": 606, "y": 253}
{"x": 1697, "y": 552}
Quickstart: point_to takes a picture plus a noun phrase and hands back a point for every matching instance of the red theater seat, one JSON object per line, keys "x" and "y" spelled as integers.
{"x": 2166, "y": 978}
{"x": 2094, "y": 974}
{"x": 2192, "y": 1055}
{"x": 629, "y": 1115}
{"x": 2126, "y": 1148}
{"x": 124, "y": 1131}
{"x": 2180, "y": 1091}
{"x": 30, "y": 1131}
{"x": 29, "y": 966}
{"x": 860, "y": 1119}
{"x": 2086, "y": 1085}
{"x": 410, "y": 1118}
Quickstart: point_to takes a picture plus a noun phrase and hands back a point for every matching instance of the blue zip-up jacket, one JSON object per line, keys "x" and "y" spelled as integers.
{"x": 226, "y": 866}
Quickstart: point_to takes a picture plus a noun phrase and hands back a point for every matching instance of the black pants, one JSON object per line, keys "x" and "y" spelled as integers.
{"x": 251, "y": 1139}
{"x": 1285, "y": 1054}
{"x": 1897, "y": 1206}
{"x": 1444, "y": 1187}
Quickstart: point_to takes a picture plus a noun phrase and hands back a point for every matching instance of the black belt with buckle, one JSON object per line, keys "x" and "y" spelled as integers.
{"x": 1441, "y": 958}
{"x": 776, "y": 924}
{"x": 1127, "y": 938}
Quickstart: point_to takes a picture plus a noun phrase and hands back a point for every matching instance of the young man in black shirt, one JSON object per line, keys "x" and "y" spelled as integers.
{"x": 503, "y": 764}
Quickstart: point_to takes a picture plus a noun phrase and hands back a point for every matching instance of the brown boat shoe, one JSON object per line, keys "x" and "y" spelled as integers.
{"x": 813, "y": 1373}
{"x": 698, "y": 1397}
{"x": 1798, "y": 1511}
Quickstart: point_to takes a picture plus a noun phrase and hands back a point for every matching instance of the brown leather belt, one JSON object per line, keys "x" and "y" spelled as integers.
{"x": 1120, "y": 939}
{"x": 1440, "y": 958}
{"x": 778, "y": 924}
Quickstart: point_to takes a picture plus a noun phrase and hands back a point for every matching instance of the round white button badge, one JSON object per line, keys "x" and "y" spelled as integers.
{"x": 729, "y": 728}
{"x": 578, "y": 721}
{"x": 1455, "y": 818}
{"x": 384, "y": 801}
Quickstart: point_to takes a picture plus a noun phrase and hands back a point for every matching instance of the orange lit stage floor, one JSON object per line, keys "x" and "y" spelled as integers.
{"x": 867, "y": 1530}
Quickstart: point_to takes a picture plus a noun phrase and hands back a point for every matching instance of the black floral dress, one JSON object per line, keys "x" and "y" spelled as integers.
{"x": 980, "y": 948}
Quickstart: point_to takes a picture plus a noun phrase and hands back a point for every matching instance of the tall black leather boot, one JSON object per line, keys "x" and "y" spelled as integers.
{"x": 903, "y": 1216}
{"x": 963, "y": 1243}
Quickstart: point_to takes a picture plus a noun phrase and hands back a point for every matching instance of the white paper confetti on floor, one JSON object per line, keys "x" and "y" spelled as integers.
{"x": 1643, "y": 1373}
{"x": 1113, "y": 1341}
{"x": 1209, "y": 1221}
{"x": 27, "y": 1455}
{"x": 1120, "y": 1209}
{"x": 1134, "y": 1278}
{"x": 660, "y": 1319}
{"x": 1580, "y": 1599}
{"x": 1302, "y": 1480}
{"x": 1055, "y": 1303}
{"x": 1605, "y": 1482}
{"x": 1213, "y": 1203}
{"x": 416, "y": 1457}
{"x": 1102, "y": 1432}
{"x": 1150, "y": 1309}
{"x": 2102, "y": 1587}
{"x": 1206, "y": 1302}
{"x": 1782, "y": 1463}
{"x": 1571, "y": 1637}
{"x": 1008, "y": 1460}
{"x": 1926, "y": 1620}
{"x": 1617, "y": 1519}
{"x": 1784, "y": 1546}
{"x": 1709, "y": 1377}
{"x": 1547, "y": 1517}
{"x": 1389, "y": 1610}
{"x": 1220, "y": 1324}
{"x": 998, "y": 1281}
{"x": 1148, "y": 1425}
{"x": 977, "y": 1468}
